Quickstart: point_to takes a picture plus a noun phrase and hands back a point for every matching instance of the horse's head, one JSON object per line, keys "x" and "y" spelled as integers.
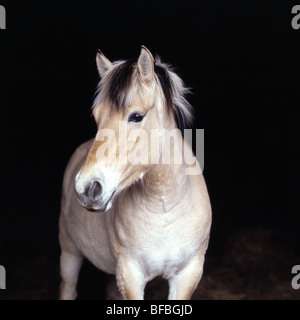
{"x": 134, "y": 98}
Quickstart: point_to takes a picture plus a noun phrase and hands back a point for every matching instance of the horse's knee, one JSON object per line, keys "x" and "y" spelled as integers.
{"x": 70, "y": 265}
{"x": 130, "y": 280}
{"x": 183, "y": 285}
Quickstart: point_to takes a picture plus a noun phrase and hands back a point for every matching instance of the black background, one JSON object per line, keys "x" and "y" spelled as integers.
{"x": 242, "y": 61}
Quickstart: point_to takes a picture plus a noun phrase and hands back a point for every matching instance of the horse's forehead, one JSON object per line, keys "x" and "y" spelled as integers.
{"x": 105, "y": 112}
{"x": 140, "y": 104}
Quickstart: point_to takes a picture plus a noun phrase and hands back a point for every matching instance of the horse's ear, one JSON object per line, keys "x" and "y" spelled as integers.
{"x": 103, "y": 64}
{"x": 146, "y": 65}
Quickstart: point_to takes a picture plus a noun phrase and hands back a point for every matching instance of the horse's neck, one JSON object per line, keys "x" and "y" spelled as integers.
{"x": 166, "y": 184}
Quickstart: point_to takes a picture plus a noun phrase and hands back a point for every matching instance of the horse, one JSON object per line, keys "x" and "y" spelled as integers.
{"x": 141, "y": 219}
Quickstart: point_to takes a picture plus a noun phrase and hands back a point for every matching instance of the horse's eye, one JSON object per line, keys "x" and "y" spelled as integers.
{"x": 135, "y": 117}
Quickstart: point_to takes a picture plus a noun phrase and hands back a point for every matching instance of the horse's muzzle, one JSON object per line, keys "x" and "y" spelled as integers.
{"x": 91, "y": 197}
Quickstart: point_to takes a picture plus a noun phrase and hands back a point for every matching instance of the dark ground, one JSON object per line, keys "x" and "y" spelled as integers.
{"x": 253, "y": 264}
{"x": 242, "y": 62}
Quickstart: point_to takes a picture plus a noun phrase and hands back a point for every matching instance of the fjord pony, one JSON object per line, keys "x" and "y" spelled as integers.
{"x": 135, "y": 220}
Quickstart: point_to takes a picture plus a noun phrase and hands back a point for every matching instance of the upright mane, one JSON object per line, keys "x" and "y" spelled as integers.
{"x": 122, "y": 81}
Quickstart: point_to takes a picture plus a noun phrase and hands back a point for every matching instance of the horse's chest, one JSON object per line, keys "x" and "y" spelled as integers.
{"x": 163, "y": 251}
{"x": 165, "y": 260}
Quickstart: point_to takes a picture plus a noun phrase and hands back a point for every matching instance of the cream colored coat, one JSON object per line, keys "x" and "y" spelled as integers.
{"x": 156, "y": 224}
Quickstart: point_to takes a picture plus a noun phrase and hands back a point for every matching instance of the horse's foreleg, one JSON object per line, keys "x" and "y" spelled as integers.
{"x": 130, "y": 280}
{"x": 70, "y": 264}
{"x": 182, "y": 286}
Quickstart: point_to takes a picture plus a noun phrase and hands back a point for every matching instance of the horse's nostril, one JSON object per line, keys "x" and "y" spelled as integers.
{"x": 95, "y": 191}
